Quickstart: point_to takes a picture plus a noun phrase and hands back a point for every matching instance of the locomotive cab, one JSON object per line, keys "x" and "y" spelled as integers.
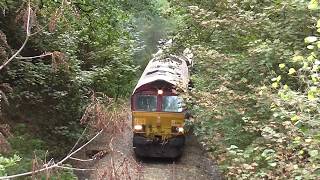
{"x": 157, "y": 110}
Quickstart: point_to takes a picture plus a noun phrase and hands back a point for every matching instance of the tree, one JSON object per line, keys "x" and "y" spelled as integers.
{"x": 73, "y": 48}
{"x": 239, "y": 46}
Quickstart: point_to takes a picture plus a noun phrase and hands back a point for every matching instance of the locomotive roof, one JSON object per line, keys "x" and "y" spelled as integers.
{"x": 172, "y": 69}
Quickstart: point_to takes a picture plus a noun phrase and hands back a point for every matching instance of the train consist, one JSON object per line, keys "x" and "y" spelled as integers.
{"x": 158, "y": 113}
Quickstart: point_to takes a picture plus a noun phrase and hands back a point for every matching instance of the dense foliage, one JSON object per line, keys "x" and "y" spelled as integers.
{"x": 77, "y": 48}
{"x": 256, "y": 90}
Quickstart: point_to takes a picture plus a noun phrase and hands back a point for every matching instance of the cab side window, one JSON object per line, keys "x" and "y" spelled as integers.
{"x": 172, "y": 104}
{"x": 146, "y": 103}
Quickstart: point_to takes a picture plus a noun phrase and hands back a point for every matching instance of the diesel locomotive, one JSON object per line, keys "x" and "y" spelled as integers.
{"x": 158, "y": 113}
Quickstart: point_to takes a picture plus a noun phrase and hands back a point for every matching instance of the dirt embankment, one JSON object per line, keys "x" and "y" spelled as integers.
{"x": 117, "y": 161}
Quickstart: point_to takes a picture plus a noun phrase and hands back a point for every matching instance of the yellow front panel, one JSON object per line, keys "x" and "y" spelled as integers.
{"x": 158, "y": 123}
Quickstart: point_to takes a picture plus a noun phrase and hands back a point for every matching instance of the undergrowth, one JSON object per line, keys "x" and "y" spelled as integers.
{"x": 32, "y": 153}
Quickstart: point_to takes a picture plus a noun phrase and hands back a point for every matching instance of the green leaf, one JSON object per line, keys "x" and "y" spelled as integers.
{"x": 314, "y": 153}
{"x": 294, "y": 118}
{"x": 275, "y": 85}
{"x": 233, "y": 147}
{"x": 310, "y": 47}
{"x": 313, "y": 88}
{"x": 318, "y": 23}
{"x": 279, "y": 78}
{"x": 276, "y": 79}
{"x": 291, "y": 71}
{"x": 311, "y": 58}
{"x": 281, "y": 66}
{"x": 298, "y": 58}
{"x": 272, "y": 164}
{"x": 315, "y": 67}
{"x": 313, "y": 4}
{"x": 310, "y": 39}
{"x": 314, "y": 78}
{"x": 311, "y": 95}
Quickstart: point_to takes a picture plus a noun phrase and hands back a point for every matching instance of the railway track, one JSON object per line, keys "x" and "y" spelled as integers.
{"x": 192, "y": 165}
{"x": 117, "y": 161}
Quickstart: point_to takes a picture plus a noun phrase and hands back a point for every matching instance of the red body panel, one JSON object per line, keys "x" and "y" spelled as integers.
{"x": 152, "y": 89}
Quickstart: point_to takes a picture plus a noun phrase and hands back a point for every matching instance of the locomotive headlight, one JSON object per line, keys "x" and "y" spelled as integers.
{"x": 180, "y": 129}
{"x": 160, "y": 91}
{"x": 138, "y": 127}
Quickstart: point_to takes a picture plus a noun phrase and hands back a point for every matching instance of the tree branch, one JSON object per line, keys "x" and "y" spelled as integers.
{"x": 33, "y": 57}
{"x": 56, "y": 165}
{"x": 28, "y": 35}
{"x": 18, "y": 52}
{"x": 75, "y": 145}
{"x": 77, "y": 169}
{"x": 82, "y": 160}
{"x": 25, "y": 41}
